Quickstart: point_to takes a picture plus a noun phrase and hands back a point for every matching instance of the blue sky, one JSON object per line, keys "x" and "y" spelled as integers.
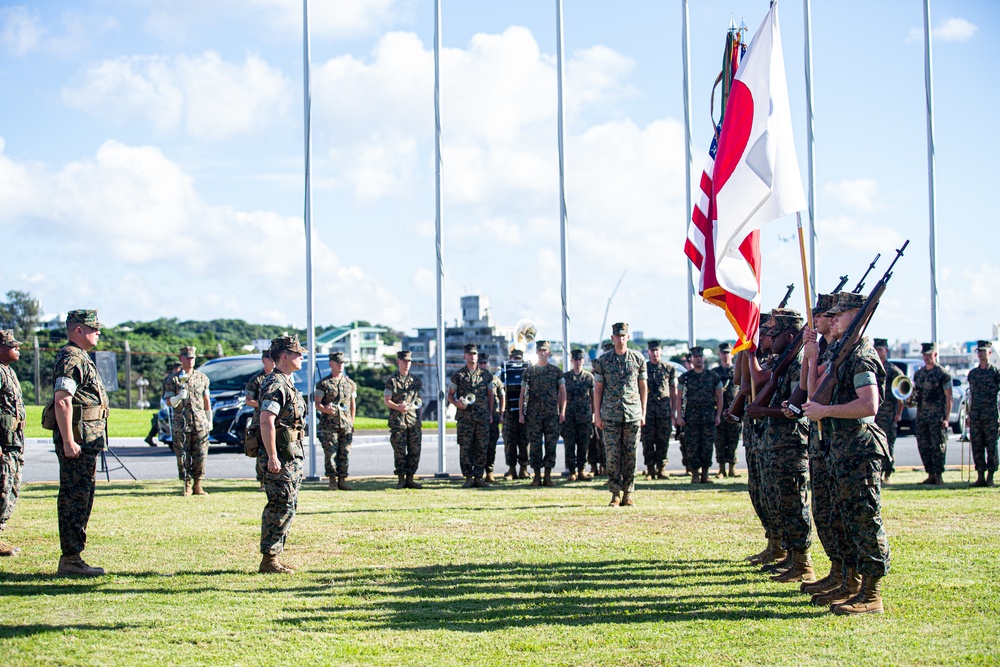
{"x": 151, "y": 158}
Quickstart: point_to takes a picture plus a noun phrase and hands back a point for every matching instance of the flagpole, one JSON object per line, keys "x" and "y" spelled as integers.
{"x": 563, "y": 223}
{"x": 310, "y": 328}
{"x": 685, "y": 49}
{"x": 810, "y": 140}
{"x": 931, "y": 204}
{"x": 441, "y": 351}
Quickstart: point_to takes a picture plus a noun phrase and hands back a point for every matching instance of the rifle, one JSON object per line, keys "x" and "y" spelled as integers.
{"x": 788, "y": 295}
{"x": 739, "y": 403}
{"x": 789, "y": 355}
{"x": 840, "y": 350}
{"x": 840, "y": 285}
{"x": 861, "y": 283}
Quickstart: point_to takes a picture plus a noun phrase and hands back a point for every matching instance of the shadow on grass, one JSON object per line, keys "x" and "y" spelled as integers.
{"x": 489, "y": 597}
{"x": 18, "y": 631}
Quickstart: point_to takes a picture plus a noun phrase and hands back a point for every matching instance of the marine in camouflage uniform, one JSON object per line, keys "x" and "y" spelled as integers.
{"x": 543, "y": 408}
{"x": 283, "y": 406}
{"x": 515, "y": 433}
{"x": 78, "y": 390}
{"x": 891, "y": 408}
{"x": 858, "y": 451}
{"x": 473, "y": 428}
{"x": 11, "y": 434}
{"x": 579, "y": 425}
{"x": 188, "y": 394}
{"x": 597, "y": 454}
{"x": 620, "y": 406}
{"x": 660, "y": 405}
{"x": 251, "y": 393}
{"x": 335, "y": 398}
{"x": 401, "y": 393}
{"x": 932, "y": 388}
{"x": 679, "y": 431}
{"x": 727, "y": 434}
{"x": 702, "y": 413}
{"x": 499, "y": 405}
{"x": 984, "y": 385}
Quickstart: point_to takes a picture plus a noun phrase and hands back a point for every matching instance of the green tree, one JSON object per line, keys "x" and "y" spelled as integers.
{"x": 20, "y": 313}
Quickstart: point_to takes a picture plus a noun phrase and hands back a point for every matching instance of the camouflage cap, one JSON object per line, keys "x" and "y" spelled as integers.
{"x": 880, "y": 342}
{"x": 286, "y": 344}
{"x": 783, "y": 319}
{"x": 265, "y": 354}
{"x": 847, "y": 301}
{"x": 7, "y": 338}
{"x": 697, "y": 351}
{"x": 337, "y": 357}
{"x": 607, "y": 346}
{"x": 471, "y": 349}
{"x": 541, "y": 345}
{"x": 652, "y": 345}
{"x": 517, "y": 353}
{"x": 824, "y": 302}
{"x": 85, "y": 317}
{"x": 189, "y": 351}
{"x": 619, "y": 328}
{"x": 404, "y": 355}
{"x": 927, "y": 348}
{"x": 725, "y": 347}
{"x": 980, "y": 345}
{"x": 576, "y": 354}
{"x": 484, "y": 357}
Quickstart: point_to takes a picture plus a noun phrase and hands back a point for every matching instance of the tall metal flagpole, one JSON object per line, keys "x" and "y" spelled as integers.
{"x": 441, "y": 351}
{"x": 932, "y": 205}
{"x": 810, "y": 143}
{"x": 563, "y": 224}
{"x": 685, "y": 48}
{"x": 310, "y": 329}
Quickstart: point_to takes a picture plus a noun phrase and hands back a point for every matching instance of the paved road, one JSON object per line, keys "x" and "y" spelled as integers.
{"x": 371, "y": 455}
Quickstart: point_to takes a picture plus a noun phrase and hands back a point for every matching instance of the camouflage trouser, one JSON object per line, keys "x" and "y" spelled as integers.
{"x": 727, "y": 439}
{"x": 655, "y": 438}
{"x": 576, "y": 442}
{"x": 858, "y": 491}
{"x": 472, "y": 435}
{"x": 282, "y": 490}
{"x": 76, "y": 497}
{"x": 405, "y": 441}
{"x": 491, "y": 443}
{"x": 11, "y": 462}
{"x": 191, "y": 449}
{"x": 261, "y": 465}
{"x": 682, "y": 440}
{"x": 596, "y": 454}
{"x": 620, "y": 442}
{"x": 983, "y": 434}
{"x": 891, "y": 429}
{"x": 787, "y": 494}
{"x": 336, "y": 443}
{"x": 932, "y": 443}
{"x": 515, "y": 441}
{"x": 826, "y": 513}
{"x": 700, "y": 438}
{"x": 542, "y": 428}
{"x": 755, "y": 486}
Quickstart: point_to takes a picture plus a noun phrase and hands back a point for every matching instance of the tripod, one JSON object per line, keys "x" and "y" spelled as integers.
{"x": 103, "y": 465}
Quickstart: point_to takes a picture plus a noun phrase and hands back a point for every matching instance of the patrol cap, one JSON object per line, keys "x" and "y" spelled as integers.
{"x": 7, "y": 338}
{"x": 619, "y": 328}
{"x": 484, "y": 357}
{"x": 653, "y": 345}
{"x": 927, "y": 348}
{"x": 542, "y": 345}
{"x": 286, "y": 344}
{"x": 881, "y": 342}
{"x": 783, "y": 319}
{"x": 517, "y": 353}
{"x": 471, "y": 348}
{"x": 337, "y": 357}
{"x": 189, "y": 351}
{"x": 404, "y": 355}
{"x": 847, "y": 301}
{"x": 824, "y": 302}
{"x": 576, "y": 354}
{"x": 607, "y": 346}
{"x": 980, "y": 345}
{"x": 725, "y": 347}
{"x": 265, "y": 354}
{"x": 697, "y": 351}
{"x": 85, "y": 317}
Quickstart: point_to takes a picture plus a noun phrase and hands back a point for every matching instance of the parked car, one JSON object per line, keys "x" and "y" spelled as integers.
{"x": 908, "y": 420}
{"x": 230, "y": 413}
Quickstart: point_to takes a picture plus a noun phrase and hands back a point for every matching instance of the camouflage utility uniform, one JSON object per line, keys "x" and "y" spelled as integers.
{"x": 11, "y": 442}
{"x": 190, "y": 423}
{"x": 621, "y": 411}
{"x": 932, "y": 438}
{"x": 279, "y": 396}
{"x": 541, "y": 413}
{"x": 700, "y": 408}
{"x": 984, "y": 385}
{"x": 404, "y": 428}
{"x": 661, "y": 378}
{"x": 887, "y": 409}
{"x": 499, "y": 394}
{"x": 727, "y": 435}
{"x": 336, "y": 431}
{"x": 252, "y": 391}
{"x": 579, "y": 424}
{"x": 75, "y": 373}
{"x": 473, "y": 428}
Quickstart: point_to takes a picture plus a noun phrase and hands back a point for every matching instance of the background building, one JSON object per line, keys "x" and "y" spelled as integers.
{"x": 360, "y": 344}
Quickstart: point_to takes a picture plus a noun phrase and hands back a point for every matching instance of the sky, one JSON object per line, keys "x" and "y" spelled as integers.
{"x": 151, "y": 159}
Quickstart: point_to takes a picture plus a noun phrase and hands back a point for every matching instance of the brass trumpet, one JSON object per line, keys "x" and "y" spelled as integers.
{"x": 469, "y": 399}
{"x": 902, "y": 389}
{"x": 416, "y": 404}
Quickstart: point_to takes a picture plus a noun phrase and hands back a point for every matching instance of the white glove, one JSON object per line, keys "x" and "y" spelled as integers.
{"x": 183, "y": 394}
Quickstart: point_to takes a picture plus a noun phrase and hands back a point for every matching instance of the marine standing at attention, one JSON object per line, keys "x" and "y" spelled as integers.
{"x": 579, "y": 425}
{"x": 471, "y": 392}
{"x": 984, "y": 385}
{"x": 11, "y": 433}
{"x": 187, "y": 393}
{"x": 661, "y": 406}
{"x": 932, "y": 388}
{"x": 336, "y": 401}
{"x": 402, "y": 393}
{"x": 543, "y": 409}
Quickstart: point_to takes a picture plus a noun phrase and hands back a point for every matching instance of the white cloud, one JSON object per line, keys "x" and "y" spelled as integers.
{"x": 21, "y": 32}
{"x": 208, "y": 97}
{"x": 949, "y": 30}
{"x": 334, "y": 18}
{"x": 859, "y": 194}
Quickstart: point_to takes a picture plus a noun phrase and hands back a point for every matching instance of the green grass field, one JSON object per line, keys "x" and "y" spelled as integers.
{"x": 510, "y": 575}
